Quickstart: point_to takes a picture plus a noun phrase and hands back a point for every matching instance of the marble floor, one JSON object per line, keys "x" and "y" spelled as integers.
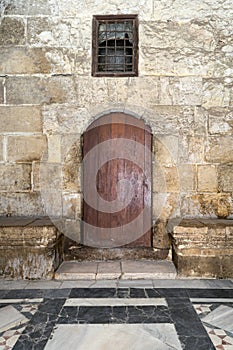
{"x": 135, "y": 315}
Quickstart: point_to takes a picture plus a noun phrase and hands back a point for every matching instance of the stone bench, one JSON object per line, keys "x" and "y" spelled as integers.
{"x": 203, "y": 247}
{"x": 31, "y": 248}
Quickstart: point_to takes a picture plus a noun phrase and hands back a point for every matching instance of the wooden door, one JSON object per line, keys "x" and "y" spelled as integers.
{"x": 117, "y": 182}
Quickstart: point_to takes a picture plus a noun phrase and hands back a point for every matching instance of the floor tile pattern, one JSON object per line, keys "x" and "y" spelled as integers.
{"x": 136, "y": 318}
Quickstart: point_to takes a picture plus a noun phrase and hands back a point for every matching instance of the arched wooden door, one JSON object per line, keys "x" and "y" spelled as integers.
{"x": 117, "y": 182}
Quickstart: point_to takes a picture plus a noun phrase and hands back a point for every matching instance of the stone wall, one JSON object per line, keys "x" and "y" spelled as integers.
{"x": 184, "y": 92}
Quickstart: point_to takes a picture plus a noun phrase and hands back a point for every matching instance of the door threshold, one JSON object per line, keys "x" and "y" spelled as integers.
{"x": 116, "y": 270}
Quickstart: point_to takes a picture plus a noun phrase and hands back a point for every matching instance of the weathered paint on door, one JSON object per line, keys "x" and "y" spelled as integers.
{"x": 117, "y": 182}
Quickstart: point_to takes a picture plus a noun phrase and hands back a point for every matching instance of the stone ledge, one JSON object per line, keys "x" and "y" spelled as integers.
{"x": 31, "y": 247}
{"x": 203, "y": 247}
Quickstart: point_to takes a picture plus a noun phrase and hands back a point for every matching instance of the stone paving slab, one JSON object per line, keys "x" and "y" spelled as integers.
{"x": 10, "y": 317}
{"x": 116, "y": 270}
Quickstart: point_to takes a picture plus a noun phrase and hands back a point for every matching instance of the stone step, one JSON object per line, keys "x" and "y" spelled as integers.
{"x": 124, "y": 270}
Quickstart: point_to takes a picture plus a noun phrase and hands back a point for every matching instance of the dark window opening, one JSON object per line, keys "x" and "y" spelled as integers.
{"x": 115, "y": 46}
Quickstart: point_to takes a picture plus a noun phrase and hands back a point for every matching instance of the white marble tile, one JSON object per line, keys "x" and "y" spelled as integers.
{"x": 222, "y": 317}
{"x": 10, "y": 317}
{"x": 115, "y": 301}
{"x": 211, "y": 300}
{"x": 17, "y": 301}
{"x": 114, "y": 337}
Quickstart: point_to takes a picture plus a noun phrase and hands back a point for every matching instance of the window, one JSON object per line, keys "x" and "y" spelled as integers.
{"x": 115, "y": 45}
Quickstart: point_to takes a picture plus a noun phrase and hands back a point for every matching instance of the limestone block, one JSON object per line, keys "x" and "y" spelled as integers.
{"x": 171, "y": 176}
{"x": 220, "y": 121}
{"x": 191, "y": 149}
{"x": 71, "y": 205}
{"x": 143, "y": 7}
{"x": 54, "y": 148}
{"x": 60, "y": 32}
{"x": 186, "y": 177}
{"x": 165, "y": 149}
{"x": 217, "y": 92}
{"x": 173, "y": 34}
{"x": 225, "y": 177}
{"x": 1, "y": 148}
{"x": 36, "y": 90}
{"x": 161, "y": 238}
{"x": 46, "y": 177}
{"x": 2, "y": 81}
{"x": 180, "y": 91}
{"x": 176, "y": 62}
{"x": 21, "y": 60}
{"x": 200, "y": 121}
{"x": 165, "y": 206}
{"x": 184, "y": 10}
{"x": 12, "y": 31}
{"x": 21, "y": 204}
{"x": 219, "y": 149}
{"x": 35, "y": 250}
{"x": 207, "y": 178}
{"x": 20, "y": 119}
{"x": 25, "y": 148}
{"x": 72, "y": 177}
{"x": 203, "y": 247}
{"x": 207, "y": 205}
{"x": 69, "y": 60}
{"x": 159, "y": 179}
{"x": 65, "y": 119}
{"x": 32, "y": 7}
{"x": 15, "y": 177}
{"x": 170, "y": 120}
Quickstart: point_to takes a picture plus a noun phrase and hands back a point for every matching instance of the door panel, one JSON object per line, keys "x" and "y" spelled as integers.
{"x": 117, "y": 182}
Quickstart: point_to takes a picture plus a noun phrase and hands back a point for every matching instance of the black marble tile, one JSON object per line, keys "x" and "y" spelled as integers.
{"x": 196, "y": 343}
{"x": 167, "y": 293}
{"x": 148, "y": 314}
{"x": 137, "y": 293}
{"x": 57, "y": 293}
{"x": 95, "y": 314}
{"x": 122, "y": 293}
{"x": 119, "y": 314}
{"x": 185, "y": 319}
{"x": 210, "y": 293}
{"x": 93, "y": 293}
{"x": 25, "y": 294}
{"x": 3, "y": 293}
{"x": 41, "y": 325}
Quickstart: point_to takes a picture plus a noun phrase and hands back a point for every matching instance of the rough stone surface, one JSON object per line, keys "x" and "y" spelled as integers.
{"x": 207, "y": 178}
{"x": 203, "y": 247}
{"x": 36, "y": 90}
{"x": 2, "y": 90}
{"x": 12, "y": 31}
{"x": 20, "y": 60}
{"x": 20, "y": 119}
{"x": 25, "y": 148}
{"x": 15, "y": 177}
{"x": 34, "y": 251}
{"x": 219, "y": 149}
{"x": 225, "y": 177}
{"x": 1, "y": 148}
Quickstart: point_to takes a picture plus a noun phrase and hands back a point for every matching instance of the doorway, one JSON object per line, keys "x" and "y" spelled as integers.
{"x": 116, "y": 183}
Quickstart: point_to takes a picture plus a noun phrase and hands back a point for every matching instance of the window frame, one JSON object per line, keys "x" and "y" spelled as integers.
{"x": 95, "y": 27}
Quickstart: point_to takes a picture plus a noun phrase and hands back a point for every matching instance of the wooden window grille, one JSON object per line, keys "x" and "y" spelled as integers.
{"x": 115, "y": 45}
